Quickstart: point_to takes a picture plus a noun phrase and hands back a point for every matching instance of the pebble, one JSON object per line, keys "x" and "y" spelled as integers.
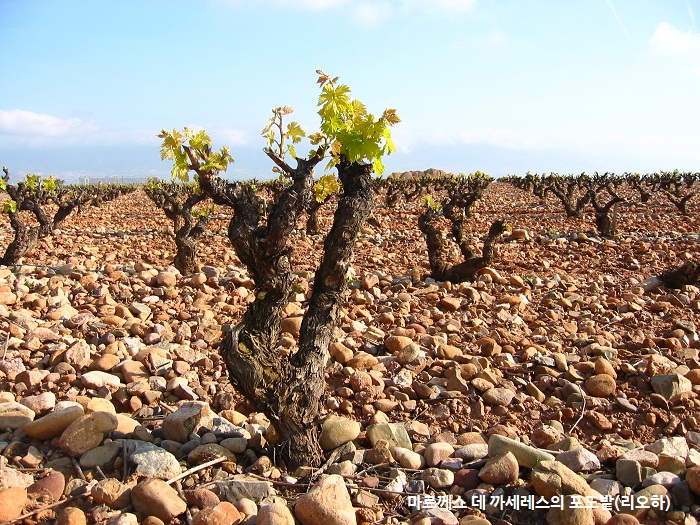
{"x": 435, "y": 453}
{"x": 500, "y": 470}
{"x": 15, "y": 415}
{"x": 71, "y": 516}
{"x": 394, "y": 433}
{"x": 54, "y": 423}
{"x": 337, "y": 431}
{"x": 87, "y": 432}
{"x": 527, "y": 456}
{"x": 53, "y": 484}
{"x": 438, "y": 478}
{"x": 579, "y": 460}
{"x": 187, "y": 420}
{"x": 223, "y": 513}
{"x": 601, "y": 385}
{"x": 407, "y": 458}
{"x": 12, "y": 503}
{"x": 498, "y": 396}
{"x": 154, "y": 497}
{"x": 326, "y": 503}
{"x": 274, "y": 514}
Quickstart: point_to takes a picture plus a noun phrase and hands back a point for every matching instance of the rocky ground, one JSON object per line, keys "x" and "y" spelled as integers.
{"x": 559, "y": 371}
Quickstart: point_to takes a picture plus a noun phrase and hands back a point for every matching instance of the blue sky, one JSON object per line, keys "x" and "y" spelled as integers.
{"x": 504, "y": 87}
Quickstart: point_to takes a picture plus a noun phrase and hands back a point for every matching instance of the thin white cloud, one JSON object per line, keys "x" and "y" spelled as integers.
{"x": 669, "y": 40}
{"x": 619, "y": 20}
{"x": 691, "y": 14}
{"x": 27, "y": 123}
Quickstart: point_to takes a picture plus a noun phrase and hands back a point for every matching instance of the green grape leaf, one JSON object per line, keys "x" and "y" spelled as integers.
{"x": 9, "y": 206}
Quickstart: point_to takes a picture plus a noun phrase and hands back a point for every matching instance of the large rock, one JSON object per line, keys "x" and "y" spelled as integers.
{"x": 154, "y": 497}
{"x": 327, "y": 503}
{"x": 527, "y": 456}
{"x": 394, "y": 433}
{"x": 551, "y": 478}
{"x": 187, "y": 419}
{"x": 71, "y": 516}
{"x": 12, "y": 502}
{"x": 51, "y": 485}
{"x": 500, "y": 470}
{"x": 276, "y": 513}
{"x": 337, "y": 431}
{"x": 668, "y": 385}
{"x": 15, "y": 415}
{"x": 54, "y": 423}
{"x": 87, "y": 432}
{"x": 223, "y": 513}
{"x": 570, "y": 514}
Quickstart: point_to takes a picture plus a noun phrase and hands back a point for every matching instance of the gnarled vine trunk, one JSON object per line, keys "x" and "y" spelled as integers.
{"x": 289, "y": 390}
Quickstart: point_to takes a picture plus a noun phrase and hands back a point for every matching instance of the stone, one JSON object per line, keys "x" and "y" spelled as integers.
{"x": 394, "y": 433}
{"x": 276, "y": 513}
{"x": 407, "y": 458}
{"x": 551, "y": 478}
{"x": 435, "y": 453}
{"x": 291, "y": 325}
{"x": 40, "y": 403}
{"x": 223, "y": 513}
{"x": 154, "y": 497}
{"x": 111, "y": 492}
{"x": 99, "y": 404}
{"x": 666, "y": 479}
{"x": 571, "y": 513}
{"x": 601, "y": 385}
{"x": 87, "y": 432}
{"x": 446, "y": 351}
{"x": 692, "y": 478}
{"x": 326, "y": 503}
{"x": 341, "y": 353}
{"x": 15, "y": 415}
{"x": 498, "y": 396}
{"x": 650, "y": 493}
{"x": 500, "y": 470}
{"x": 645, "y": 458}
{"x": 152, "y": 461}
{"x": 12, "y": 477}
{"x": 166, "y": 278}
{"x": 235, "y": 489}
{"x": 124, "y": 518}
{"x": 628, "y": 472}
{"x": 186, "y": 420}
{"x": 669, "y": 385}
{"x": 337, "y": 431}
{"x": 97, "y": 379}
{"x": 12, "y": 502}
{"x": 468, "y": 479}
{"x": 52, "y": 484}
{"x": 671, "y": 446}
{"x": 134, "y": 371}
{"x": 438, "y": 478}
{"x": 396, "y": 343}
{"x": 472, "y": 452}
{"x": 579, "y": 460}
{"x": 201, "y": 498}
{"x": 208, "y": 452}
{"x": 450, "y": 304}
{"x": 71, "y": 516}
{"x": 100, "y": 456}
{"x": 527, "y": 456}
{"x": 78, "y": 355}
